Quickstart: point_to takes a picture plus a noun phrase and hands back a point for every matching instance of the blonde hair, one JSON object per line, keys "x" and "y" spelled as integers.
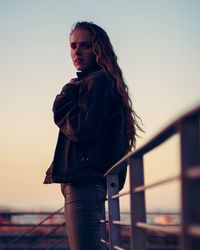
{"x": 107, "y": 59}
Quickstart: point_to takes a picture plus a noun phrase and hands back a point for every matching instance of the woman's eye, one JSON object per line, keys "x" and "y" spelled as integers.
{"x": 87, "y": 45}
{"x": 83, "y": 46}
{"x": 73, "y": 45}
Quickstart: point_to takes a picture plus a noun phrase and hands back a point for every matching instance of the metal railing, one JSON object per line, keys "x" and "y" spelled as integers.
{"x": 21, "y": 235}
{"x": 40, "y": 240}
{"x": 188, "y": 128}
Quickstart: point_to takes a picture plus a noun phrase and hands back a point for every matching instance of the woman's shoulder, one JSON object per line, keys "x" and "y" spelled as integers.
{"x": 100, "y": 76}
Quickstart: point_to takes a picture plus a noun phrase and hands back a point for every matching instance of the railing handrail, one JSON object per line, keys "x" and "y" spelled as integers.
{"x": 187, "y": 127}
{"x": 156, "y": 140}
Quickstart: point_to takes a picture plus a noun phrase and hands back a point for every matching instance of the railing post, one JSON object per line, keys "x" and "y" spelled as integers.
{"x": 137, "y": 202}
{"x": 113, "y": 210}
{"x": 190, "y": 158}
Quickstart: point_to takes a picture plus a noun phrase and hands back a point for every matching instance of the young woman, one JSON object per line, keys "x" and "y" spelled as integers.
{"x": 97, "y": 127}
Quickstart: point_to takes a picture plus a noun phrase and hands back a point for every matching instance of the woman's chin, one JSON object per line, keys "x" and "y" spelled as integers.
{"x": 80, "y": 68}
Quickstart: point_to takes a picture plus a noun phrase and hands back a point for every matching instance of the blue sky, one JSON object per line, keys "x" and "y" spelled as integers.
{"x": 157, "y": 44}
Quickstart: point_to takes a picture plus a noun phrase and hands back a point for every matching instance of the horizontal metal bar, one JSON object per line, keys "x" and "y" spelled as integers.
{"x": 23, "y": 247}
{"x": 103, "y": 221}
{"x": 193, "y": 173}
{"x": 119, "y": 248}
{"x": 28, "y": 225}
{"x": 194, "y": 230}
{"x": 34, "y": 236}
{"x": 105, "y": 242}
{"x": 158, "y": 183}
{"x": 176, "y": 230}
{"x": 25, "y": 213}
{"x": 163, "y": 213}
{"x": 119, "y": 222}
{"x": 120, "y": 194}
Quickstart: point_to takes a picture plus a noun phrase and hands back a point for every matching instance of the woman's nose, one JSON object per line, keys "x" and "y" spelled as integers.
{"x": 78, "y": 50}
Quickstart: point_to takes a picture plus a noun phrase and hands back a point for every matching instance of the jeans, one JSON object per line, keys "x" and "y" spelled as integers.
{"x": 83, "y": 207}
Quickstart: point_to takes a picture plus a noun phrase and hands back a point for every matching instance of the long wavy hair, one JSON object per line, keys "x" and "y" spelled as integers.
{"x": 107, "y": 59}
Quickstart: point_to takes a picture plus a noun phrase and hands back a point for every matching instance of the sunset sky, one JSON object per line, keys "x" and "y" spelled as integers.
{"x": 157, "y": 44}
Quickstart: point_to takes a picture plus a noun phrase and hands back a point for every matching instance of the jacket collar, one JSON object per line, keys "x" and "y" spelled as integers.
{"x": 83, "y": 74}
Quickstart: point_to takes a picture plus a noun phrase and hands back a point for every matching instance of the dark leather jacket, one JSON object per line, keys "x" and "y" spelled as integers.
{"x": 89, "y": 113}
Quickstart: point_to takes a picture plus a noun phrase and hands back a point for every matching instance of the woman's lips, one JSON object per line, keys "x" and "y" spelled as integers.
{"x": 79, "y": 61}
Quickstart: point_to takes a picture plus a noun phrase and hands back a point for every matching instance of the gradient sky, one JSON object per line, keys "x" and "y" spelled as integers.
{"x": 157, "y": 44}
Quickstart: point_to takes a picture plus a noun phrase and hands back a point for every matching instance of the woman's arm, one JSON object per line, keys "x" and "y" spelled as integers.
{"x": 81, "y": 117}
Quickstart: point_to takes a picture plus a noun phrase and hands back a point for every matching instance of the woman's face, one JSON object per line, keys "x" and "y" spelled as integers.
{"x": 81, "y": 50}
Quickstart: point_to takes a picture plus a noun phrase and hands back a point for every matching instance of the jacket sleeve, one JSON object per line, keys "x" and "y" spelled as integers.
{"x": 64, "y": 104}
{"x": 81, "y": 116}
